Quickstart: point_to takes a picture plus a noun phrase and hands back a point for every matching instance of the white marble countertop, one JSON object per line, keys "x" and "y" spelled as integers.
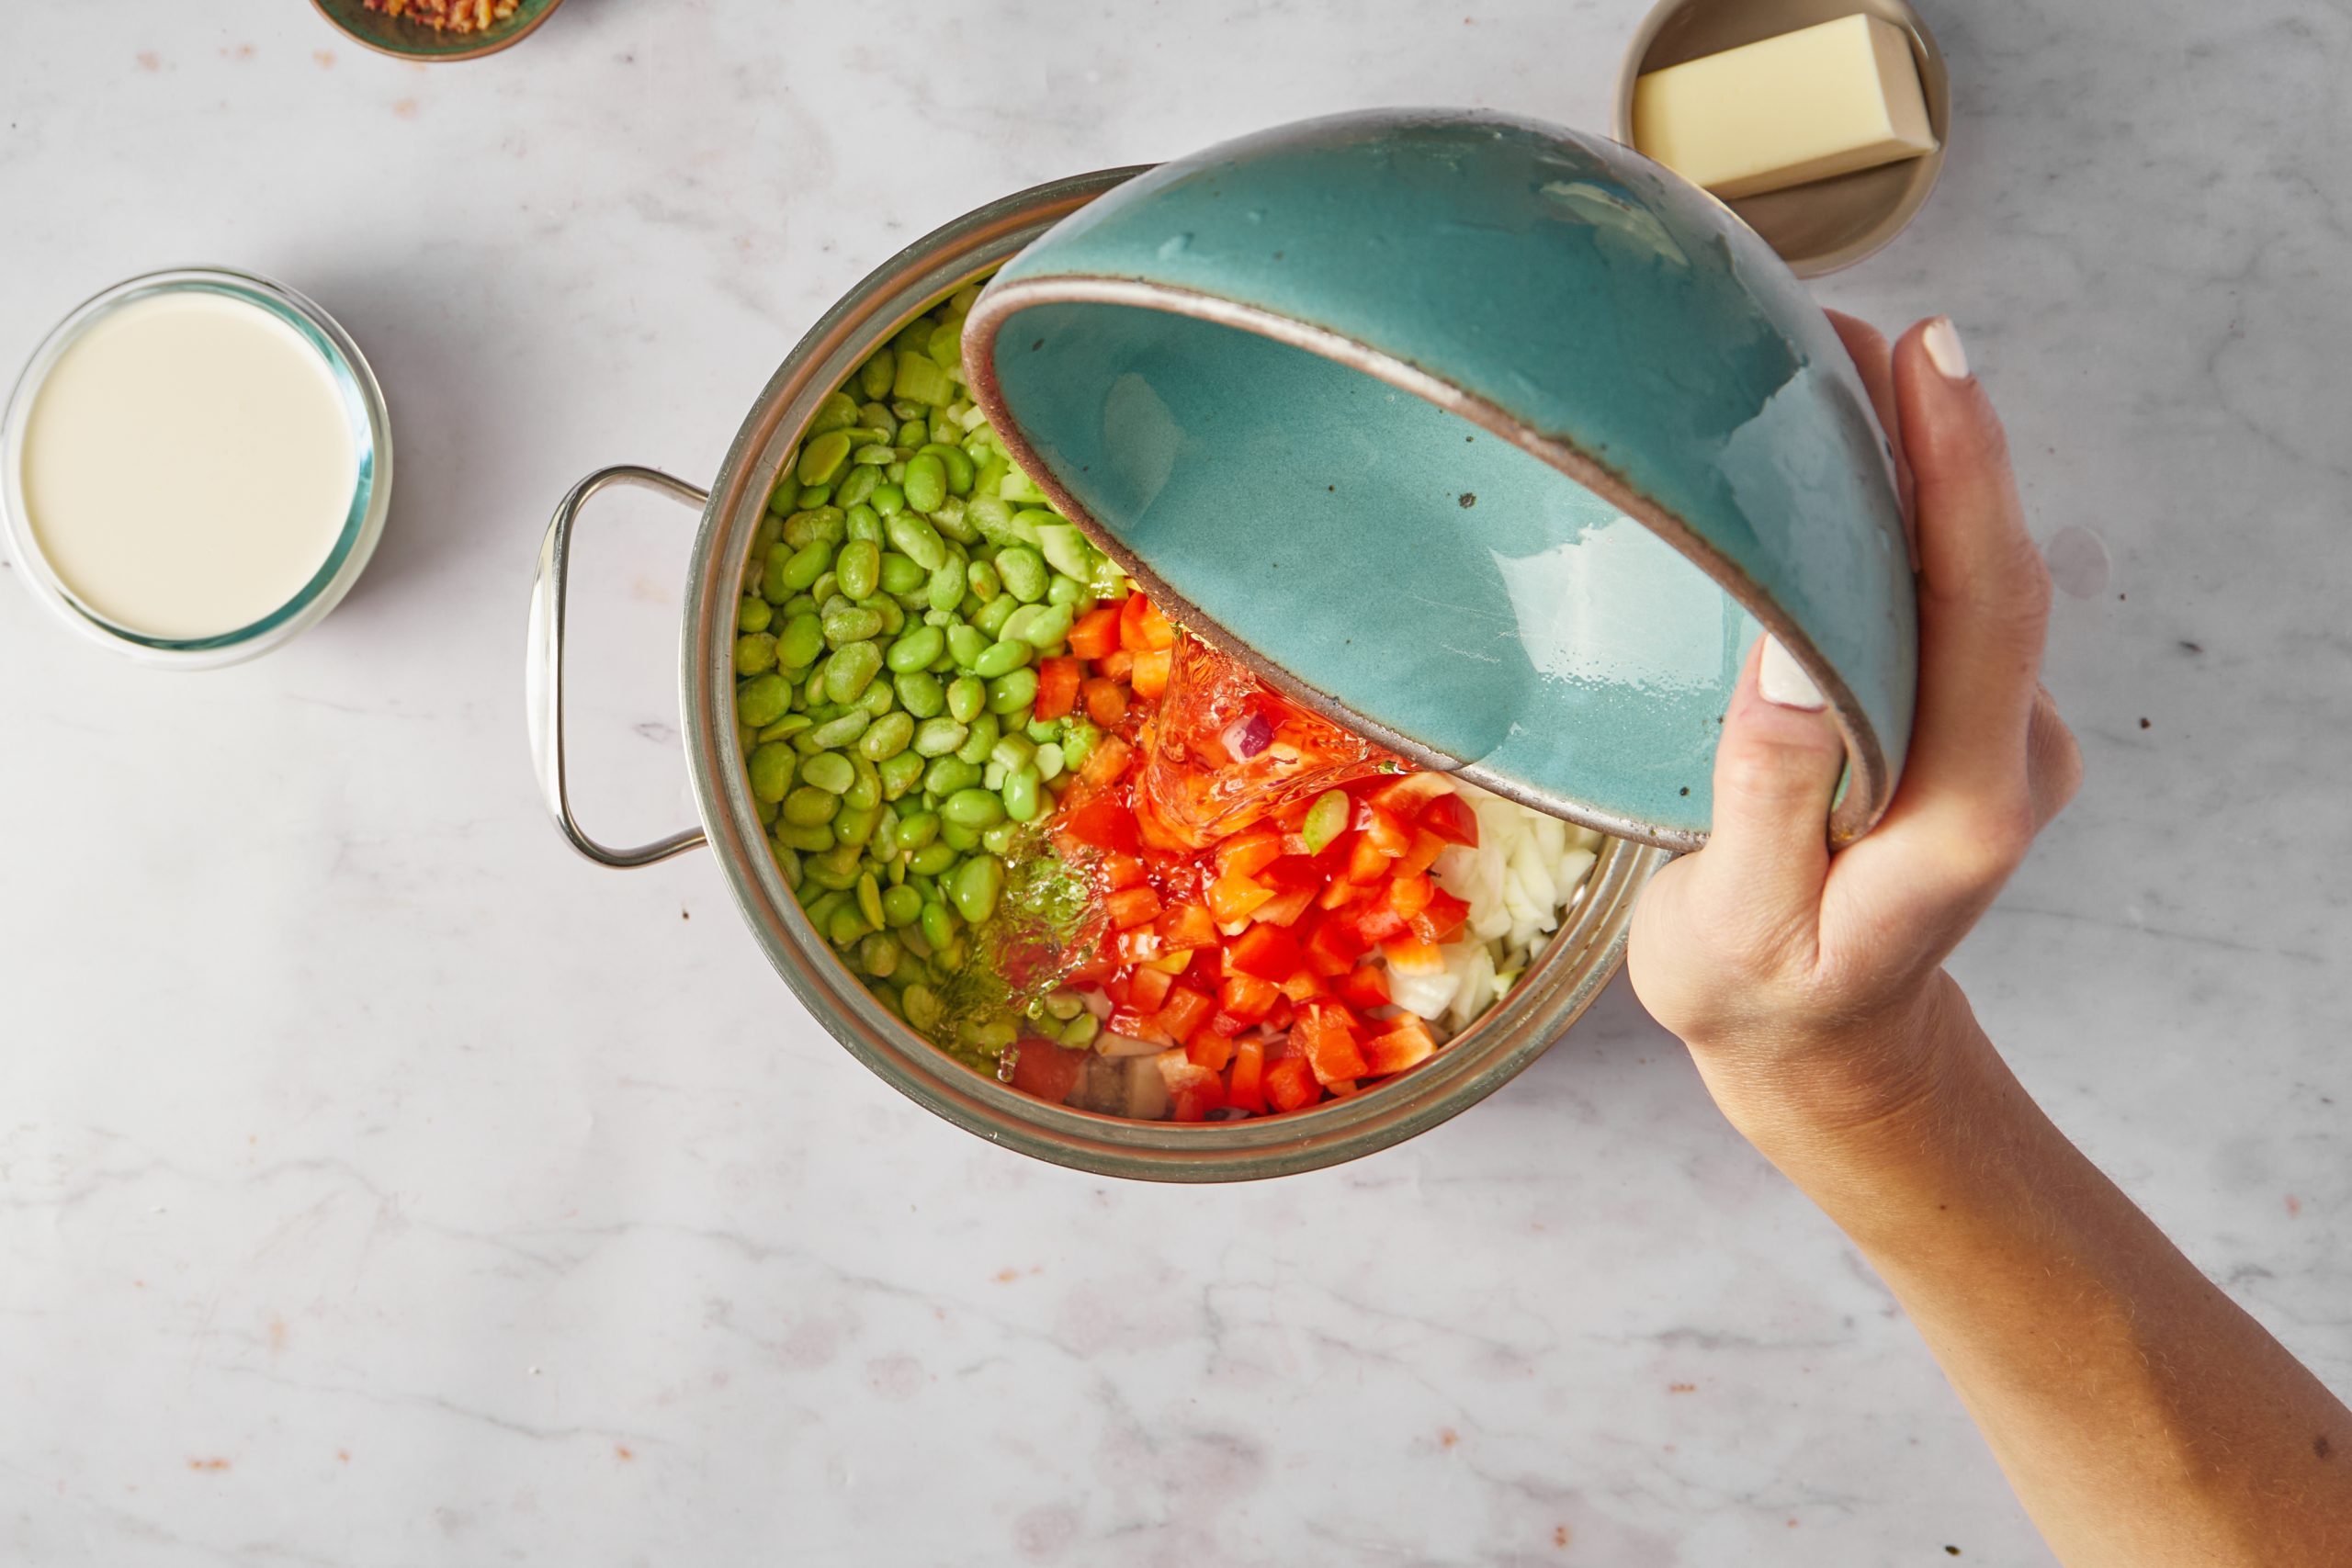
{"x": 380, "y": 1184}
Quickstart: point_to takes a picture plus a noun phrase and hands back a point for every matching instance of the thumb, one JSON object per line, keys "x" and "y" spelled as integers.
{"x": 1776, "y": 772}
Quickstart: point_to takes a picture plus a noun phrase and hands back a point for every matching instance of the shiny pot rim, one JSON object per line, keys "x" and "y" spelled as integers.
{"x": 1557, "y": 988}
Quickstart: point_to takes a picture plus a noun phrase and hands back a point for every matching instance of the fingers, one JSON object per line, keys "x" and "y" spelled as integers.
{"x": 1983, "y": 592}
{"x": 1867, "y": 347}
{"x": 2054, "y": 762}
{"x": 1776, "y": 772}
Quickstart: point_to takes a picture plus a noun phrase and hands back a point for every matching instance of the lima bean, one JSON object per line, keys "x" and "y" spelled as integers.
{"x": 916, "y": 648}
{"x": 859, "y": 565}
{"x": 979, "y": 883}
{"x": 940, "y": 737}
{"x": 771, "y": 772}
{"x": 852, "y": 671}
{"x": 1012, "y": 692}
{"x": 888, "y": 736}
{"x": 1023, "y": 572}
{"x": 916, "y": 539}
{"x": 1001, "y": 658}
{"x": 762, "y": 700}
{"x": 919, "y": 693}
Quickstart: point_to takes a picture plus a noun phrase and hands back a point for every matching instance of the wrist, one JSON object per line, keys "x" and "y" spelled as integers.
{"x": 1840, "y": 1094}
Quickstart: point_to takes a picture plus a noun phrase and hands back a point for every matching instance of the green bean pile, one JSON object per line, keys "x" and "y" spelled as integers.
{"x": 902, "y": 585}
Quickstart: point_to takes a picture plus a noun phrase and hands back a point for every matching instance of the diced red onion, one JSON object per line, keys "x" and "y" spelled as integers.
{"x": 1245, "y": 738}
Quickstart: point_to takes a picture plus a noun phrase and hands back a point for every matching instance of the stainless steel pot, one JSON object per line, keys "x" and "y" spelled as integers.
{"x": 1557, "y": 988}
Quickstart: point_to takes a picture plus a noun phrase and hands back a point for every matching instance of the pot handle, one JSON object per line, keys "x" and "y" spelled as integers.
{"x": 543, "y": 672}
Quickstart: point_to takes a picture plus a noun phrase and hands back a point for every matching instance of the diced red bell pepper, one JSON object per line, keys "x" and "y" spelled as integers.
{"x": 1095, "y": 633}
{"x": 1150, "y": 676}
{"x": 1142, "y": 629}
{"x": 1245, "y": 1086}
{"x": 1342, "y": 893}
{"x": 1303, "y": 985}
{"x": 1131, "y": 907}
{"x": 1405, "y": 796}
{"x": 1194, "y": 1104}
{"x": 1193, "y": 1090}
{"x": 1408, "y": 896}
{"x": 1137, "y": 1024}
{"x": 1121, "y": 870}
{"x": 1207, "y": 1048}
{"x": 1426, "y": 847}
{"x": 1267, "y": 951}
{"x": 1248, "y": 854}
{"x": 1364, "y": 988}
{"x": 1367, "y": 862}
{"x": 1106, "y": 700}
{"x": 1158, "y": 834}
{"x": 1102, "y": 823}
{"x": 1291, "y": 872}
{"x": 1284, "y": 908}
{"x": 1339, "y": 1089}
{"x": 1233, "y": 900}
{"x": 1328, "y": 1042}
{"x": 1115, "y": 664}
{"x": 1046, "y": 1071}
{"x": 1246, "y": 996}
{"x": 1411, "y": 955}
{"x": 1406, "y": 1043}
{"x": 1100, "y": 966}
{"x": 1376, "y": 923}
{"x": 1290, "y": 1084}
{"x": 1148, "y": 990}
{"x": 1109, "y": 761}
{"x": 1386, "y": 834}
{"x": 1184, "y": 1011}
{"x": 1185, "y": 927}
{"x": 1058, "y": 682}
{"x": 1333, "y": 947}
{"x": 1444, "y": 916}
{"x": 1451, "y": 819}
{"x": 1140, "y": 945}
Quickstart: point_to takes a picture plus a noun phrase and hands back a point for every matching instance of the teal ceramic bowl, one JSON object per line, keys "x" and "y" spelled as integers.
{"x": 1493, "y": 441}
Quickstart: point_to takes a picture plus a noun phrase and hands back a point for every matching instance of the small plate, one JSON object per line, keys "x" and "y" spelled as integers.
{"x": 406, "y": 39}
{"x": 1829, "y": 224}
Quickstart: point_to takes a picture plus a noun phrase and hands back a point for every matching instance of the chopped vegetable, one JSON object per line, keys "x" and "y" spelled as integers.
{"x": 1074, "y": 846}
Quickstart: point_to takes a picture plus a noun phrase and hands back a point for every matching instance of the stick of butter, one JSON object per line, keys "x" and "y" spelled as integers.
{"x": 1821, "y": 101}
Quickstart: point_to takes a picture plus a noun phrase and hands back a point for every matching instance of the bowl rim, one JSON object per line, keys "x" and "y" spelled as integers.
{"x": 1869, "y": 785}
{"x": 1566, "y": 976}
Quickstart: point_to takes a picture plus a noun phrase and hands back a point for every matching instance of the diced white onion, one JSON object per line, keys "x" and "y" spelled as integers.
{"x": 1526, "y": 868}
{"x": 1111, "y": 1045}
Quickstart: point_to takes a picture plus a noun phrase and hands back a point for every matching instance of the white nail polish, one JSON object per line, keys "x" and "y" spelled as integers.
{"x": 1782, "y": 681}
{"x": 1942, "y": 341}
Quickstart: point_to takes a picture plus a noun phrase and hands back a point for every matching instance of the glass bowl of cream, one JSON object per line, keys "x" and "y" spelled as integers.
{"x": 195, "y": 466}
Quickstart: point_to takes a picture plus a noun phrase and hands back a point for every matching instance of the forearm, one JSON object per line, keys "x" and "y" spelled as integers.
{"x": 2142, "y": 1417}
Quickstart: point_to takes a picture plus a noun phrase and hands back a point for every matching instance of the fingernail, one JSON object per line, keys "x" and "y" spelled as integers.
{"x": 1781, "y": 681}
{"x": 1942, "y": 342}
